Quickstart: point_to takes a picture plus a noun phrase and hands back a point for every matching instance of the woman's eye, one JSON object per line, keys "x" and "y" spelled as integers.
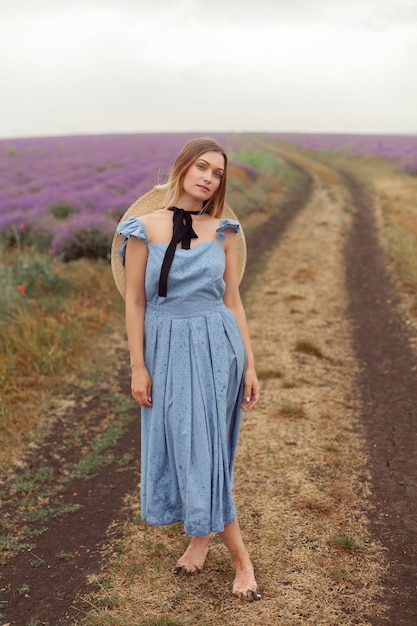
{"x": 217, "y": 174}
{"x": 200, "y": 166}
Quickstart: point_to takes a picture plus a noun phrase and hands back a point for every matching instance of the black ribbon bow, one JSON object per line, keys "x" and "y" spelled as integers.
{"x": 182, "y": 232}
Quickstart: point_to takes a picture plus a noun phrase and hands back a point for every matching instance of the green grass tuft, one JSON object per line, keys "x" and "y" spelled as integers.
{"x": 269, "y": 374}
{"x": 294, "y": 411}
{"x": 344, "y": 542}
{"x": 305, "y": 346}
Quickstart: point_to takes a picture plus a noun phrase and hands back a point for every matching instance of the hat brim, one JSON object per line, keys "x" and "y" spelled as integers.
{"x": 151, "y": 201}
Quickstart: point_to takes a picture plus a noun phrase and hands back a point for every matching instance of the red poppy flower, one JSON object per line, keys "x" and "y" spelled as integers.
{"x": 21, "y": 288}
{"x": 22, "y": 226}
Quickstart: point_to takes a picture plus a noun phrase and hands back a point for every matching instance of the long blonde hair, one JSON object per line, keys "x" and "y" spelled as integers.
{"x": 186, "y": 157}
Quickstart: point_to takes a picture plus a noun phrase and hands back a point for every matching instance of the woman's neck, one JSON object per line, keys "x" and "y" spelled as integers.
{"x": 189, "y": 204}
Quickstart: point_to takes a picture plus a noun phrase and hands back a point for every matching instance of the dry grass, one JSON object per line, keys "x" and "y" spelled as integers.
{"x": 395, "y": 197}
{"x": 300, "y": 483}
{"x": 45, "y": 351}
{"x": 253, "y": 200}
{"x": 402, "y": 244}
{"x": 399, "y": 234}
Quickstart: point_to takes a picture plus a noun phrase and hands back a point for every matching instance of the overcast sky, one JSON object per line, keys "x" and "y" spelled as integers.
{"x": 105, "y": 66}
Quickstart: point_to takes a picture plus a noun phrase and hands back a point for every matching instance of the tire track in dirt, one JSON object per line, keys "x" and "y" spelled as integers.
{"x": 388, "y": 385}
{"x": 42, "y": 583}
{"x": 54, "y": 587}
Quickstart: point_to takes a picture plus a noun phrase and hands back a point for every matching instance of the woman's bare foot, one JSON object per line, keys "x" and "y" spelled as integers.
{"x": 244, "y": 584}
{"x": 193, "y": 559}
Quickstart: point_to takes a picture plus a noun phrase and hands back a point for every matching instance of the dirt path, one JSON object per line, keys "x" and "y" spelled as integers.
{"x": 388, "y": 384}
{"x": 300, "y": 469}
{"x": 312, "y": 467}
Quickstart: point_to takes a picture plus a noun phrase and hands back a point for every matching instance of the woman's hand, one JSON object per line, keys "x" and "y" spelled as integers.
{"x": 251, "y": 393}
{"x": 142, "y": 386}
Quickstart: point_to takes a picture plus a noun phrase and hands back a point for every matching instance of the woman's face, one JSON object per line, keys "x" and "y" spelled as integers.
{"x": 203, "y": 177}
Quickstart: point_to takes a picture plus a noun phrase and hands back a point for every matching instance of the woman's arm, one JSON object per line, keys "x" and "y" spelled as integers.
{"x": 135, "y": 266}
{"x": 233, "y": 302}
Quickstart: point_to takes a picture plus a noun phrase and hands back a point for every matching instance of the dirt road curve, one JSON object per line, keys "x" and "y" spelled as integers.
{"x": 388, "y": 386}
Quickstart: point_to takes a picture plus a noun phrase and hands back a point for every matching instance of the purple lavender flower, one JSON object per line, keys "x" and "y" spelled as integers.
{"x": 83, "y": 236}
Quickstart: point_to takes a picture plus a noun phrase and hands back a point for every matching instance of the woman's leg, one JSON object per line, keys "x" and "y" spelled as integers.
{"x": 192, "y": 561}
{"x": 244, "y": 584}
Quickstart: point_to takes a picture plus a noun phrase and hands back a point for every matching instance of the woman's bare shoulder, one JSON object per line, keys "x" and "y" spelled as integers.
{"x": 213, "y": 222}
{"x": 156, "y": 217}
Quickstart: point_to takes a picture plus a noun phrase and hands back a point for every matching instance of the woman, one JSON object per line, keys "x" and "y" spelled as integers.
{"x": 191, "y": 359}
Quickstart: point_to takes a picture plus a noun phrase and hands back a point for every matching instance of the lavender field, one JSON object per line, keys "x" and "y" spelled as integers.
{"x": 65, "y": 194}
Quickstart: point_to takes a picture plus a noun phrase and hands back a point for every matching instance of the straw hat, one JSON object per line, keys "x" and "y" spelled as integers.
{"x": 151, "y": 201}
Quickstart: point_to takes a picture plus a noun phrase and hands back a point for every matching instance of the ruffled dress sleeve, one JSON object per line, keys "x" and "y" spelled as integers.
{"x": 131, "y": 227}
{"x": 224, "y": 225}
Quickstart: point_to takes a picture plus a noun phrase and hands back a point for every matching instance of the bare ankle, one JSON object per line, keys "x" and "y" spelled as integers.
{"x": 198, "y": 541}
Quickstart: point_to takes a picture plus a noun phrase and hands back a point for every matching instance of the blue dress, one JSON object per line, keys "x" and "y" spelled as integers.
{"x": 195, "y": 356}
